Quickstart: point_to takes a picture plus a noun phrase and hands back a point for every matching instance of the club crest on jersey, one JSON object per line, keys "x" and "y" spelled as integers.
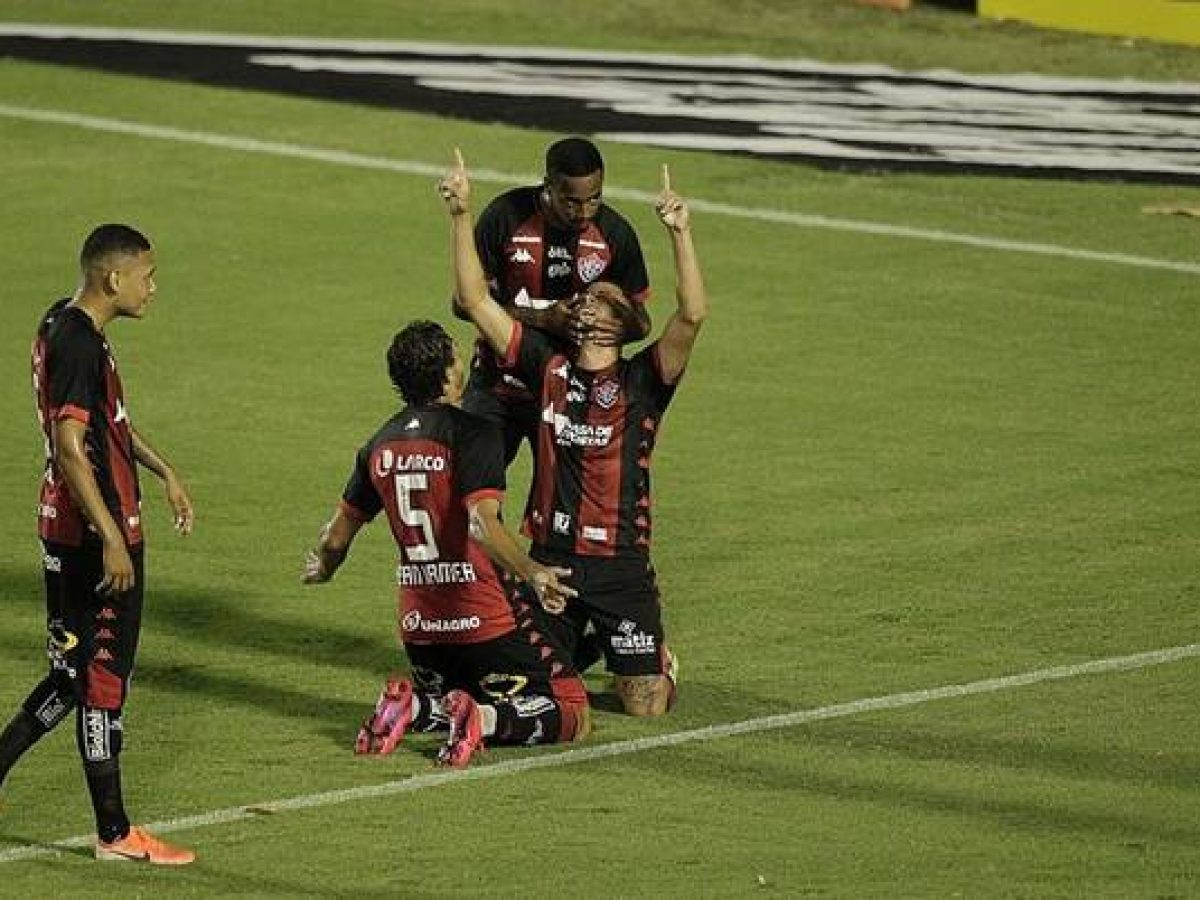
{"x": 606, "y": 393}
{"x": 590, "y": 267}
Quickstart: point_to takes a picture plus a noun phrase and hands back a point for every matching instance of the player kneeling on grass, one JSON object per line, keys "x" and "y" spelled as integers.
{"x": 589, "y": 506}
{"x": 481, "y": 664}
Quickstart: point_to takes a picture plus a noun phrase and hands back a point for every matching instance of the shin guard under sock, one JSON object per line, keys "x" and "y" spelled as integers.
{"x": 104, "y": 784}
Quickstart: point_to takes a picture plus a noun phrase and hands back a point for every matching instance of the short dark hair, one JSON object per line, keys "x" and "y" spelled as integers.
{"x": 111, "y": 240}
{"x": 573, "y": 157}
{"x": 418, "y": 359}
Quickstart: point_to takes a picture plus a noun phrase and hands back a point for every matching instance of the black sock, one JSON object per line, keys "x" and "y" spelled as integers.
{"x": 427, "y": 713}
{"x": 104, "y": 784}
{"x": 527, "y": 720}
{"x": 21, "y": 734}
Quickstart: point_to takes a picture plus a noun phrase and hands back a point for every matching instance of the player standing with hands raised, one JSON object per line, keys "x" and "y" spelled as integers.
{"x": 589, "y": 508}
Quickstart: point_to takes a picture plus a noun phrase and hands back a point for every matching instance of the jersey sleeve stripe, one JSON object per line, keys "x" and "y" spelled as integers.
{"x": 483, "y": 494}
{"x": 71, "y": 411}
{"x": 350, "y": 511}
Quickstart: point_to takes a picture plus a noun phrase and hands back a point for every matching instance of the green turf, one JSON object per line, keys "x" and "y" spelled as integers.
{"x": 895, "y": 465}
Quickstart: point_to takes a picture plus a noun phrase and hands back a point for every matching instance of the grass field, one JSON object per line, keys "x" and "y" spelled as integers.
{"x": 896, "y": 465}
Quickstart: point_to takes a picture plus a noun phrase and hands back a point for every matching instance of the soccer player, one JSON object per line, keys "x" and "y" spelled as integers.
{"x": 541, "y": 245}
{"x": 589, "y": 505}
{"x": 91, "y": 530}
{"x": 480, "y": 660}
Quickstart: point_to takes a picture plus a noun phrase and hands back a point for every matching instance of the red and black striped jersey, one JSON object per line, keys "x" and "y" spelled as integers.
{"x": 75, "y": 377}
{"x": 422, "y": 468}
{"x": 527, "y": 258}
{"x": 591, "y": 486}
{"x": 530, "y": 263}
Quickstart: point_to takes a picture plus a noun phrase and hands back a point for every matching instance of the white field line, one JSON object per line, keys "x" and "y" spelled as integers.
{"x": 639, "y": 745}
{"x": 428, "y": 170}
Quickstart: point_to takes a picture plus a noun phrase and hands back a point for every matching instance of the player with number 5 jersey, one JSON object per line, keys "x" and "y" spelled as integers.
{"x": 481, "y": 663}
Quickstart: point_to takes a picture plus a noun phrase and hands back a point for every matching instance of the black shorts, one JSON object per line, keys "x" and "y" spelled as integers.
{"x": 517, "y": 414}
{"x": 92, "y": 638}
{"x": 522, "y": 663}
{"x": 618, "y": 597}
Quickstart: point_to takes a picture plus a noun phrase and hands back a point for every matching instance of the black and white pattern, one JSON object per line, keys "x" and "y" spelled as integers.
{"x": 856, "y": 116}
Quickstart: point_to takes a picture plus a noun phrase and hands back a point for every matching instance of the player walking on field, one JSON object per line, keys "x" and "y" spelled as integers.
{"x": 480, "y": 662}
{"x": 598, "y": 418}
{"x": 91, "y": 531}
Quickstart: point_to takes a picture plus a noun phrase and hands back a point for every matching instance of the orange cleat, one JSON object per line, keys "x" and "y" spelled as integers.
{"x": 140, "y": 844}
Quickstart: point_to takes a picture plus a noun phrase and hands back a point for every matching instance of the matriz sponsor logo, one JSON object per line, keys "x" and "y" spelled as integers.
{"x": 632, "y": 641}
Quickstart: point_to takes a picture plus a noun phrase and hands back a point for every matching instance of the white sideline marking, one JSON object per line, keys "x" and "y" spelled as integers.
{"x": 622, "y": 748}
{"x": 490, "y": 176}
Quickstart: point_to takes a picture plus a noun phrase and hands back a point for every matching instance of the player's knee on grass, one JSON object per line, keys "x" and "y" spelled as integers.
{"x": 644, "y": 695}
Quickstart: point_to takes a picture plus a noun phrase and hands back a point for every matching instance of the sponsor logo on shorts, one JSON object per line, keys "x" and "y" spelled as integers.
{"x": 58, "y": 643}
{"x": 95, "y": 735}
{"x": 414, "y": 622}
{"x": 51, "y": 712}
{"x": 632, "y": 641}
{"x": 501, "y": 685}
{"x": 51, "y": 563}
{"x": 562, "y": 523}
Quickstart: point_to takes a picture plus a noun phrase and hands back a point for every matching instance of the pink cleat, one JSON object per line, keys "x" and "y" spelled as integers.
{"x": 466, "y": 730}
{"x": 381, "y": 733}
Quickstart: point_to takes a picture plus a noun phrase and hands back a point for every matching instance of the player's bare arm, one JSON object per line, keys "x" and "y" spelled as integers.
{"x": 177, "y": 493}
{"x": 489, "y": 532}
{"x": 679, "y": 334}
{"x": 556, "y": 319}
{"x": 70, "y": 455}
{"x": 333, "y": 544}
{"x": 471, "y": 288}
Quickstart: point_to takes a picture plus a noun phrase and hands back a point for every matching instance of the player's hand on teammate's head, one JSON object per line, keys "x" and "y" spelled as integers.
{"x": 601, "y": 316}
{"x": 672, "y": 209}
{"x": 455, "y": 186}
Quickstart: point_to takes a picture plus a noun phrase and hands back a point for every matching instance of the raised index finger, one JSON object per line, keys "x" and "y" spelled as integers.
{"x": 459, "y": 162}
{"x": 666, "y": 178}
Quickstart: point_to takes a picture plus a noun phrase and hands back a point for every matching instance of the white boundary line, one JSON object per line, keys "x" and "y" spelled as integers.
{"x": 427, "y": 170}
{"x": 623, "y": 748}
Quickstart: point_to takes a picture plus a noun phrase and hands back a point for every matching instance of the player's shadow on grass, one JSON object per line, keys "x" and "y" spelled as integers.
{"x": 199, "y": 618}
{"x": 226, "y": 621}
{"x": 337, "y": 719}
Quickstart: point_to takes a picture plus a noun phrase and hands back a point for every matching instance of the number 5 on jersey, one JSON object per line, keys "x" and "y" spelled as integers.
{"x": 408, "y": 483}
